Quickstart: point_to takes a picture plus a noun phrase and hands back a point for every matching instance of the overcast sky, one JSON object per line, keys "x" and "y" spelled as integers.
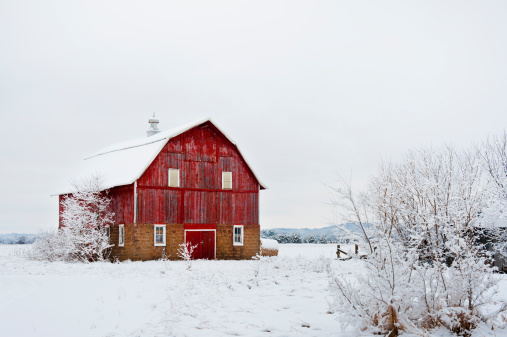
{"x": 306, "y": 88}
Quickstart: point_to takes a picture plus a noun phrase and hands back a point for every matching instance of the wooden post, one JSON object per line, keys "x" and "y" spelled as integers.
{"x": 338, "y": 251}
{"x": 357, "y": 249}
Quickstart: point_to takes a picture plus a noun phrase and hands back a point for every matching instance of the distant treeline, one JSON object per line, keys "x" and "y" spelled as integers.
{"x": 17, "y": 239}
{"x": 342, "y": 233}
{"x": 296, "y": 237}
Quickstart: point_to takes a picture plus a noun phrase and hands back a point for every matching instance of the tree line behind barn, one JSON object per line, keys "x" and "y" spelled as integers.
{"x": 330, "y": 234}
{"x": 17, "y": 239}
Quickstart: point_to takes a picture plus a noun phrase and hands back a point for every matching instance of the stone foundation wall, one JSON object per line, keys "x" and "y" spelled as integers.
{"x": 139, "y": 243}
{"x": 251, "y": 243}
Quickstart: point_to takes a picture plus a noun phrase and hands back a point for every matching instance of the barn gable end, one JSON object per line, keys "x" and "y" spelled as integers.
{"x": 201, "y": 154}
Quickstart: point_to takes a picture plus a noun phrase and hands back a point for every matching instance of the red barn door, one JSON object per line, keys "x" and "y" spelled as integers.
{"x": 204, "y": 242}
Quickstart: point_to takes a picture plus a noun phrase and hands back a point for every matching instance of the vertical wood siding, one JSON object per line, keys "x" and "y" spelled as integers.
{"x": 122, "y": 204}
{"x": 60, "y": 209}
{"x": 201, "y": 154}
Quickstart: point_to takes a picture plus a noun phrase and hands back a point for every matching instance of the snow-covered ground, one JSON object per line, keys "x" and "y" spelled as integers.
{"x": 287, "y": 295}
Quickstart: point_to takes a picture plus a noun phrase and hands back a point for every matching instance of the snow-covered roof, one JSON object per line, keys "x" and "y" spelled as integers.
{"x": 123, "y": 163}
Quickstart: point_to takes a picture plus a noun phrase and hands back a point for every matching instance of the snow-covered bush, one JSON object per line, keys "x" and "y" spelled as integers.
{"x": 185, "y": 252}
{"x": 50, "y": 246}
{"x": 426, "y": 267}
{"x": 85, "y": 219}
{"x": 381, "y": 298}
{"x": 493, "y": 153}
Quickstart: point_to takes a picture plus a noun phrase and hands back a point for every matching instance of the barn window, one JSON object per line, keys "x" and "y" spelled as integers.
{"x": 238, "y": 236}
{"x": 107, "y": 230}
{"x": 226, "y": 180}
{"x": 121, "y": 235}
{"x": 174, "y": 177}
{"x": 159, "y": 235}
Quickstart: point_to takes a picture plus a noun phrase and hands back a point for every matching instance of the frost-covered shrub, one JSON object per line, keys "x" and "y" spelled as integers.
{"x": 382, "y": 297}
{"x": 426, "y": 267}
{"x": 50, "y": 246}
{"x": 83, "y": 235}
{"x": 185, "y": 252}
{"x": 493, "y": 154}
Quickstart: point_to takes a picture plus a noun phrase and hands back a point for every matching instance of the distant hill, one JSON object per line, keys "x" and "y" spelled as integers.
{"x": 333, "y": 233}
{"x": 16, "y": 238}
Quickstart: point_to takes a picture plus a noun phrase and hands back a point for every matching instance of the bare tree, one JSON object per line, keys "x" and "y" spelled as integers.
{"x": 353, "y": 206}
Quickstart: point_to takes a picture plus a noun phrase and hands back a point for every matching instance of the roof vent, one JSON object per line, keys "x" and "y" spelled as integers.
{"x": 153, "y": 126}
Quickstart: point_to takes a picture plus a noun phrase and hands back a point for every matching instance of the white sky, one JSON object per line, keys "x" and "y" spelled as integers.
{"x": 306, "y": 88}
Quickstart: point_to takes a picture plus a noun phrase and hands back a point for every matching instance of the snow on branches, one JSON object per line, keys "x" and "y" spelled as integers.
{"x": 185, "y": 251}
{"x": 419, "y": 220}
{"x": 85, "y": 221}
{"x": 493, "y": 153}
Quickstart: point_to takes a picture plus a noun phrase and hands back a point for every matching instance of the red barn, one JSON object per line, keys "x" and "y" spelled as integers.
{"x": 186, "y": 185}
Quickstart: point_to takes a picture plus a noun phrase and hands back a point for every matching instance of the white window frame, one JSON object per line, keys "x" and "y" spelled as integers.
{"x": 169, "y": 177}
{"x": 155, "y": 235}
{"x": 121, "y": 230}
{"x": 241, "y": 237}
{"x": 108, "y": 232}
{"x": 223, "y": 180}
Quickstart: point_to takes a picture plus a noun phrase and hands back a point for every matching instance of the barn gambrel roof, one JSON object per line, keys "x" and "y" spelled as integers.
{"x": 123, "y": 163}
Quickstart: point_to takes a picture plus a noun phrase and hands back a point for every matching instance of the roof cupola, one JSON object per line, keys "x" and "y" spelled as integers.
{"x": 153, "y": 126}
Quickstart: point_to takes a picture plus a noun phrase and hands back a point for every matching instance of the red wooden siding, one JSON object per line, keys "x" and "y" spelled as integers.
{"x": 201, "y": 154}
{"x": 60, "y": 209}
{"x": 163, "y": 205}
{"x": 122, "y": 203}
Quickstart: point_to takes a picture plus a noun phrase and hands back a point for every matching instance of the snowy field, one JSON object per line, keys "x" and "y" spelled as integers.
{"x": 287, "y": 295}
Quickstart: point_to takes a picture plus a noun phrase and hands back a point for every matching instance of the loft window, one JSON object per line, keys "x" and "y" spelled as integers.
{"x": 238, "y": 235}
{"x": 121, "y": 235}
{"x": 227, "y": 180}
{"x": 159, "y": 235}
{"x": 174, "y": 177}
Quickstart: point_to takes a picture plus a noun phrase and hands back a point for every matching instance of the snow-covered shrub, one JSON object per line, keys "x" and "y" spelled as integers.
{"x": 83, "y": 235}
{"x": 185, "y": 251}
{"x": 50, "y": 246}
{"x": 426, "y": 266}
{"x": 381, "y": 298}
{"x": 493, "y": 153}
